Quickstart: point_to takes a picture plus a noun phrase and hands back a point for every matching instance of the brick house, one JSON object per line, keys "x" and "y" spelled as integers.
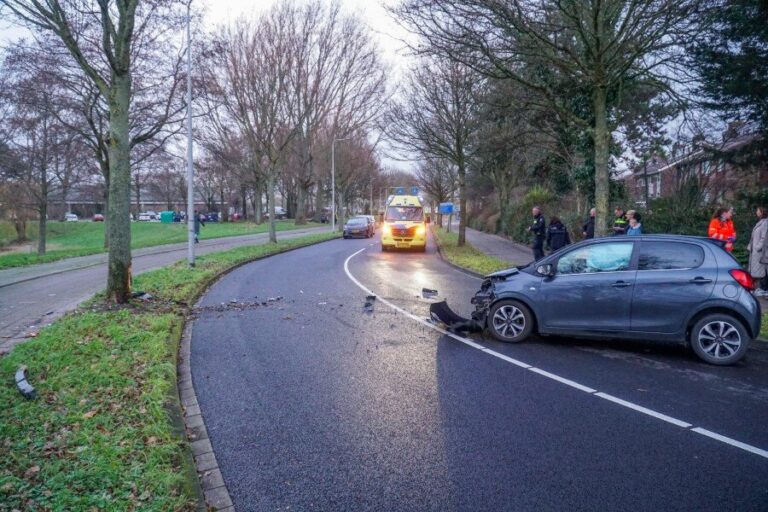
{"x": 714, "y": 167}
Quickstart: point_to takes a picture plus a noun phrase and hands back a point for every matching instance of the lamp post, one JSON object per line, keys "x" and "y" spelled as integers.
{"x": 190, "y": 171}
{"x": 333, "y": 182}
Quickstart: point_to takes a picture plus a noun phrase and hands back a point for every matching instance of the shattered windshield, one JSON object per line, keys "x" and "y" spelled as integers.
{"x": 410, "y": 213}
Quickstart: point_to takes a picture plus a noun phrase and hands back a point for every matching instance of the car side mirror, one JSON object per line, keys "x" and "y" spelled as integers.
{"x": 546, "y": 270}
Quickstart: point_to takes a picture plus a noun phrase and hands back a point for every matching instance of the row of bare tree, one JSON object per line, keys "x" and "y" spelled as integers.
{"x": 541, "y": 90}
{"x": 96, "y": 93}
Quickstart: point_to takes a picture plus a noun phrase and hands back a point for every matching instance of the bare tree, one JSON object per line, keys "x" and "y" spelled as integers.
{"x": 599, "y": 47}
{"x": 438, "y": 178}
{"x": 437, "y": 118}
{"x": 101, "y": 38}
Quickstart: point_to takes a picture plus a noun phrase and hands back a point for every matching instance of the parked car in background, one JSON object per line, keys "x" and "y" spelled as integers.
{"x": 70, "y": 217}
{"x": 149, "y": 216}
{"x": 358, "y": 227}
{"x": 371, "y": 221}
{"x": 652, "y": 287}
{"x": 98, "y": 217}
{"x": 212, "y": 217}
{"x": 280, "y": 213}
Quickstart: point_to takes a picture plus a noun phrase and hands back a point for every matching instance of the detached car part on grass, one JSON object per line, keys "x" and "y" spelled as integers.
{"x": 653, "y": 287}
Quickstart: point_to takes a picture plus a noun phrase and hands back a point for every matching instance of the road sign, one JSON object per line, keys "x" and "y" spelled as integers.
{"x": 446, "y": 208}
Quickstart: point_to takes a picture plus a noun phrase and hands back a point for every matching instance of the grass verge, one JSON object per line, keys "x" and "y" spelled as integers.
{"x": 101, "y": 434}
{"x": 466, "y": 257}
{"x": 71, "y": 239}
{"x": 764, "y": 328}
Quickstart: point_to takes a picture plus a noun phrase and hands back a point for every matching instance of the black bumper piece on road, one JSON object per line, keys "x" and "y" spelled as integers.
{"x": 440, "y": 312}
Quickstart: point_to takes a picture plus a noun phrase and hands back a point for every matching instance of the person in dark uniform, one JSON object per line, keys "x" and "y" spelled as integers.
{"x": 588, "y": 230}
{"x": 557, "y": 235}
{"x": 621, "y": 223}
{"x": 538, "y": 229}
{"x": 199, "y": 221}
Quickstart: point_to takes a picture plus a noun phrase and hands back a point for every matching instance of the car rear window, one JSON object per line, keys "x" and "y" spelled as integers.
{"x": 669, "y": 256}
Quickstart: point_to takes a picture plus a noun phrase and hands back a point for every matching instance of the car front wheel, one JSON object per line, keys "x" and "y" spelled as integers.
{"x": 719, "y": 339}
{"x": 510, "y": 321}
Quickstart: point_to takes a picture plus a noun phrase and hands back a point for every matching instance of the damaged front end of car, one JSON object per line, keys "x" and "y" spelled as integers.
{"x": 440, "y": 311}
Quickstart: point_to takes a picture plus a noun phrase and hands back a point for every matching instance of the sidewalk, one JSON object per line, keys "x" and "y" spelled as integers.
{"x": 15, "y": 275}
{"x": 498, "y": 247}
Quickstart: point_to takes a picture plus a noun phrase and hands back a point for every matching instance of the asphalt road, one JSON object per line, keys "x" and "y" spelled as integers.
{"x": 312, "y": 403}
{"x": 33, "y": 296}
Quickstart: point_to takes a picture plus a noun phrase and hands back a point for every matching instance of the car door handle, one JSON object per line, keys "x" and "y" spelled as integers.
{"x": 700, "y": 280}
{"x": 621, "y": 284}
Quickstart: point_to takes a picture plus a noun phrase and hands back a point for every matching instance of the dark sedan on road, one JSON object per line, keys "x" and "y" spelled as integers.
{"x": 358, "y": 227}
{"x": 673, "y": 288}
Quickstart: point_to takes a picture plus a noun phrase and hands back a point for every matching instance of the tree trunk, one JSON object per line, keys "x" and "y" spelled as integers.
{"x": 105, "y": 173}
{"x": 42, "y": 228}
{"x": 271, "y": 199}
{"x": 21, "y": 230}
{"x": 301, "y": 204}
{"x": 138, "y": 195}
{"x": 42, "y": 224}
{"x": 244, "y": 199}
{"x": 602, "y": 173}
{"x": 462, "y": 205}
{"x": 119, "y": 208}
{"x": 257, "y": 205}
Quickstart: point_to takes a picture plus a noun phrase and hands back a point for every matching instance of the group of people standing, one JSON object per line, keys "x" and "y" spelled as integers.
{"x": 721, "y": 227}
{"x": 555, "y": 236}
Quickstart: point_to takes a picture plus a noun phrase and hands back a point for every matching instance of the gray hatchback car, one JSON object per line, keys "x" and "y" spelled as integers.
{"x": 659, "y": 287}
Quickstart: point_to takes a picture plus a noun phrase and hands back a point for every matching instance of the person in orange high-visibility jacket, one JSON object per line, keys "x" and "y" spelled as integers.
{"x": 721, "y": 227}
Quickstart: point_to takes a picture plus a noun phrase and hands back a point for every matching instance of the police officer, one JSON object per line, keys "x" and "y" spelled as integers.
{"x": 538, "y": 229}
{"x": 621, "y": 223}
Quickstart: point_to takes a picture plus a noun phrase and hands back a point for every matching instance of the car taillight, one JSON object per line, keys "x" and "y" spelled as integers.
{"x": 743, "y": 278}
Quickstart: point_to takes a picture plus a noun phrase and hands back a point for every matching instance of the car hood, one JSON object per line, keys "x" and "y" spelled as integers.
{"x": 502, "y": 274}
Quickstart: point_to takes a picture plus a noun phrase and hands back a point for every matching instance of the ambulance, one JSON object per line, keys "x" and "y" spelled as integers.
{"x": 405, "y": 225}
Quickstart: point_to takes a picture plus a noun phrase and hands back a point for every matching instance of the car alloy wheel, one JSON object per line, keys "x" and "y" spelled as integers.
{"x": 510, "y": 321}
{"x": 719, "y": 339}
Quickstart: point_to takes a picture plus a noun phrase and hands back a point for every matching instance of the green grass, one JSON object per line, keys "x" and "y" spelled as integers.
{"x": 764, "y": 327}
{"x": 101, "y": 435}
{"x": 70, "y": 239}
{"x": 467, "y": 256}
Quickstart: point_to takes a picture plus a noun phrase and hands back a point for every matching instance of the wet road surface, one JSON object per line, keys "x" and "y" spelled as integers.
{"x": 313, "y": 403}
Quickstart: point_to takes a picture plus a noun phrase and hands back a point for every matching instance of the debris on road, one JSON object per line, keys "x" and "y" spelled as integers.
{"x": 441, "y": 313}
{"x": 368, "y": 305}
{"x": 428, "y": 293}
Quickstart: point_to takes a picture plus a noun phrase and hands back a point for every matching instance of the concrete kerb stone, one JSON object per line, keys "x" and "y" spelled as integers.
{"x": 211, "y": 480}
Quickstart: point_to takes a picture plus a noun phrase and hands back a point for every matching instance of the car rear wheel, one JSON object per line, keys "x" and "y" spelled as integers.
{"x": 510, "y": 321}
{"x": 719, "y": 339}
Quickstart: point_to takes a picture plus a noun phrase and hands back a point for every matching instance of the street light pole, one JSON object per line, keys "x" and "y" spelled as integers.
{"x": 333, "y": 182}
{"x": 190, "y": 171}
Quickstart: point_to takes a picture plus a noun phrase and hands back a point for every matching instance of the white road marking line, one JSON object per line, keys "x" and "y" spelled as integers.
{"x": 732, "y": 442}
{"x": 562, "y": 380}
{"x": 644, "y": 410}
{"x": 507, "y": 358}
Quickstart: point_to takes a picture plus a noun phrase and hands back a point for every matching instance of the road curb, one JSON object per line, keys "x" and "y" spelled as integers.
{"x": 461, "y": 269}
{"x": 209, "y": 475}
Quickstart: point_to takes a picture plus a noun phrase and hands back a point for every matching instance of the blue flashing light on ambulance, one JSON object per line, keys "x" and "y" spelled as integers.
{"x": 405, "y": 225}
